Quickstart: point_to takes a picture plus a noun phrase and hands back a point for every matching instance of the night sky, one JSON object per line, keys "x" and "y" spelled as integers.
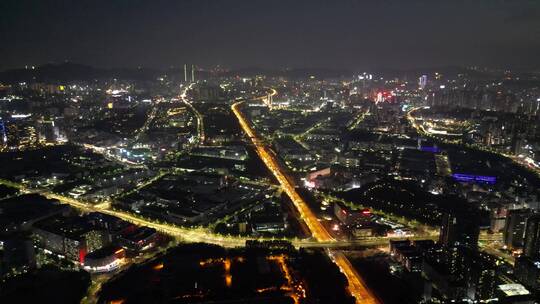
{"x": 352, "y": 34}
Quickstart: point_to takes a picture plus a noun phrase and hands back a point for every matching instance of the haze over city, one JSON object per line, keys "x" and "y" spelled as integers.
{"x": 344, "y": 34}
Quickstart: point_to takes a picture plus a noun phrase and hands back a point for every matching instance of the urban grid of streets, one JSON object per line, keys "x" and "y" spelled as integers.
{"x": 321, "y": 237}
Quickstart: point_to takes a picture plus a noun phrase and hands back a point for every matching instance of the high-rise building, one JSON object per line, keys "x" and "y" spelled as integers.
{"x": 48, "y": 131}
{"x": 527, "y": 271}
{"x": 460, "y": 272}
{"x": 531, "y": 246}
{"x": 208, "y": 92}
{"x": 20, "y": 135}
{"x": 514, "y": 228}
{"x": 3, "y": 134}
{"x": 482, "y": 276}
{"x": 459, "y": 230}
{"x": 498, "y": 218}
{"x": 422, "y": 82}
{"x": 71, "y": 237}
{"x": 189, "y": 73}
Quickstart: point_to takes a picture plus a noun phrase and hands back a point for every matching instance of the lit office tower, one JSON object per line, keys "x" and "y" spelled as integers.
{"x": 422, "y": 81}
{"x": 3, "y": 134}
{"x": 48, "y": 131}
{"x": 514, "y": 228}
{"x": 531, "y": 247}
{"x": 189, "y": 73}
{"x": 447, "y": 227}
{"x": 269, "y": 99}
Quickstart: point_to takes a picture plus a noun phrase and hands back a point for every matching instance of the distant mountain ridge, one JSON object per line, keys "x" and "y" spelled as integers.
{"x": 73, "y": 72}
{"x": 78, "y": 72}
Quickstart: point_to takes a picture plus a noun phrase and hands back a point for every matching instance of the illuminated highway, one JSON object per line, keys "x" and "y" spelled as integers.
{"x": 108, "y": 155}
{"x": 358, "y": 119}
{"x": 316, "y": 228}
{"x": 148, "y": 121}
{"x": 266, "y": 99}
{"x": 194, "y": 235}
{"x": 205, "y": 235}
{"x": 198, "y": 115}
{"x": 357, "y": 286}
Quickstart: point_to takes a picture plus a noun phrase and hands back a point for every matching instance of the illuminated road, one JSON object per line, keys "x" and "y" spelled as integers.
{"x": 357, "y": 286}
{"x": 358, "y": 119}
{"x": 266, "y": 99}
{"x": 198, "y": 115}
{"x": 412, "y": 120}
{"x": 494, "y": 250}
{"x": 106, "y": 153}
{"x": 194, "y": 235}
{"x": 317, "y": 229}
{"x": 148, "y": 121}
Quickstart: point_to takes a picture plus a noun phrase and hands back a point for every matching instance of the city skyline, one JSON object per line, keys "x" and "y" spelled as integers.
{"x": 277, "y": 152}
